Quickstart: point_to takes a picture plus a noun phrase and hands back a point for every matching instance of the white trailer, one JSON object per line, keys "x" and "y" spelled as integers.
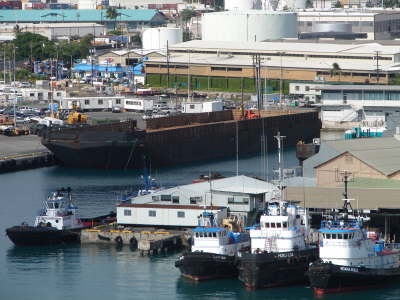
{"x": 92, "y": 103}
{"x": 133, "y": 104}
{"x": 165, "y": 215}
{"x": 200, "y": 107}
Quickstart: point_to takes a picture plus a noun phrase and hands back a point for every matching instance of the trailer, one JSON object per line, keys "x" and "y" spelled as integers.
{"x": 92, "y": 103}
{"x": 140, "y": 105}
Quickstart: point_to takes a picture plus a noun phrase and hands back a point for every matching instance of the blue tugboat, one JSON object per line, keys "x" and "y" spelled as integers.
{"x": 214, "y": 251}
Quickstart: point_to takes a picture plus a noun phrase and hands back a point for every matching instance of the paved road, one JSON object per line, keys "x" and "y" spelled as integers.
{"x": 16, "y": 145}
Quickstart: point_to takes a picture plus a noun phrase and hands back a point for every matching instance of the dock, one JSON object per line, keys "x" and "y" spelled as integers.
{"x": 23, "y": 152}
{"x": 147, "y": 242}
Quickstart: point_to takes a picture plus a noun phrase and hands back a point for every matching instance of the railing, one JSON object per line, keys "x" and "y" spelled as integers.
{"x": 393, "y": 246}
{"x": 341, "y": 224}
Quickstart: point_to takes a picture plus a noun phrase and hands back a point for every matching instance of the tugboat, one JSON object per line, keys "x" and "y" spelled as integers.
{"x": 56, "y": 223}
{"x": 279, "y": 253}
{"x": 214, "y": 250}
{"x": 349, "y": 260}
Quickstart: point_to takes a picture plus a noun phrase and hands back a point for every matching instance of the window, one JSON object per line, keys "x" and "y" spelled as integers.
{"x": 165, "y": 197}
{"x": 197, "y": 234}
{"x": 284, "y": 224}
{"x": 194, "y": 200}
{"x": 272, "y": 225}
{"x": 278, "y": 225}
{"x": 181, "y": 214}
{"x": 267, "y": 225}
{"x": 127, "y": 212}
{"x": 307, "y": 88}
{"x": 345, "y": 236}
{"x": 333, "y": 236}
{"x": 218, "y": 69}
{"x": 231, "y": 200}
{"x": 100, "y": 101}
{"x": 328, "y": 235}
{"x": 214, "y": 234}
{"x": 246, "y": 200}
{"x": 297, "y": 88}
{"x": 118, "y": 101}
{"x": 175, "y": 199}
{"x": 339, "y": 236}
{"x": 58, "y": 94}
{"x": 32, "y": 94}
{"x": 235, "y": 69}
{"x": 155, "y": 198}
{"x": 87, "y": 102}
{"x": 191, "y": 106}
{"x": 152, "y": 213}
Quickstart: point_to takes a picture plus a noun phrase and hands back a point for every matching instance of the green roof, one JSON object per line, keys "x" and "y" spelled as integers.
{"x": 74, "y": 15}
{"x": 375, "y": 183}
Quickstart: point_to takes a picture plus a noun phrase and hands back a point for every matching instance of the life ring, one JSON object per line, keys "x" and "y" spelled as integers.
{"x": 119, "y": 240}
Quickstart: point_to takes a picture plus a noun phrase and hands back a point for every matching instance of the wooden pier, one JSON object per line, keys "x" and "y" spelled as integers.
{"x": 147, "y": 242}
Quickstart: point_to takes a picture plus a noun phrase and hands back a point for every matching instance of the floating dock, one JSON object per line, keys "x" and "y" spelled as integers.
{"x": 145, "y": 241}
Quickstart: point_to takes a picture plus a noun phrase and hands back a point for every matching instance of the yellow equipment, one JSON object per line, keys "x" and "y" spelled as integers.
{"x": 76, "y": 118}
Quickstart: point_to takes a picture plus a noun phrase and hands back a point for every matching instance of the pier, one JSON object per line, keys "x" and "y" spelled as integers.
{"x": 23, "y": 152}
{"x": 147, "y": 242}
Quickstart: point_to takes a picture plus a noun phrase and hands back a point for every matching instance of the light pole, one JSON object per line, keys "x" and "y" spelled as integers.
{"x": 15, "y": 95}
{"x": 92, "y": 52}
{"x": 280, "y": 79}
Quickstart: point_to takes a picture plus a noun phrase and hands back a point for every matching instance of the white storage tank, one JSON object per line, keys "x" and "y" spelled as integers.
{"x": 156, "y": 38}
{"x": 242, "y": 4}
{"x": 248, "y": 26}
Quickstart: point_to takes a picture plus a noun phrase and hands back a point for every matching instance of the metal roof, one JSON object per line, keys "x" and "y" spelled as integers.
{"x": 359, "y": 87}
{"x": 383, "y": 154}
{"x": 75, "y": 15}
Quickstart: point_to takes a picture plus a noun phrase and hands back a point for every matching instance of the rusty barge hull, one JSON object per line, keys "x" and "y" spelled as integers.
{"x": 187, "y": 138}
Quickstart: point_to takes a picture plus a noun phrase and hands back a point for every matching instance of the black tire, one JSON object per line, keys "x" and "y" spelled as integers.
{"x": 133, "y": 243}
{"x": 119, "y": 240}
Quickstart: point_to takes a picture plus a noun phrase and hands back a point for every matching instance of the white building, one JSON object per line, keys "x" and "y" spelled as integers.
{"x": 165, "y": 215}
{"x": 308, "y": 92}
{"x": 92, "y": 103}
{"x": 201, "y": 107}
{"x": 42, "y": 94}
{"x": 248, "y": 26}
{"x": 378, "y": 25}
{"x": 140, "y": 105}
{"x": 241, "y": 194}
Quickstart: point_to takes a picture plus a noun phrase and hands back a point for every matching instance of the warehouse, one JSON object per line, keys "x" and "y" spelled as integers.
{"x": 233, "y": 63}
{"x": 367, "y": 158}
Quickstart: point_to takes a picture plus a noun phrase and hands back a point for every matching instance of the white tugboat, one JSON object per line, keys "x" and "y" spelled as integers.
{"x": 214, "y": 250}
{"x": 56, "y": 223}
{"x": 349, "y": 260}
{"x": 279, "y": 253}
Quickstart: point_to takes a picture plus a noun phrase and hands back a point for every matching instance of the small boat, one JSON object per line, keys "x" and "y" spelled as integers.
{"x": 349, "y": 258}
{"x": 56, "y": 223}
{"x": 214, "y": 251}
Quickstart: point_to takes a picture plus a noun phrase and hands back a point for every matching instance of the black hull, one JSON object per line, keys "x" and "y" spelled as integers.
{"x": 328, "y": 278}
{"x": 41, "y": 236}
{"x": 204, "y": 266}
{"x": 268, "y": 270}
{"x": 105, "y": 146}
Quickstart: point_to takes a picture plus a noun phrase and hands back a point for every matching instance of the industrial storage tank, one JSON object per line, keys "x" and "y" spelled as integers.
{"x": 248, "y": 26}
{"x": 242, "y": 4}
{"x": 156, "y": 38}
{"x": 283, "y": 4}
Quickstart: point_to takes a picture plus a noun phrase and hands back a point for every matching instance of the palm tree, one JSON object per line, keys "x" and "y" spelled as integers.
{"x": 112, "y": 14}
{"x": 336, "y": 70}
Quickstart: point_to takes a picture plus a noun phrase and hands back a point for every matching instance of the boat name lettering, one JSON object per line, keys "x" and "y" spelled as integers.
{"x": 348, "y": 269}
{"x": 282, "y": 255}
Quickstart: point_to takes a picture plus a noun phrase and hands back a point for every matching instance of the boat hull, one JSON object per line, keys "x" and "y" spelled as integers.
{"x": 266, "y": 270}
{"x": 328, "y": 278}
{"x": 41, "y": 236}
{"x": 204, "y": 266}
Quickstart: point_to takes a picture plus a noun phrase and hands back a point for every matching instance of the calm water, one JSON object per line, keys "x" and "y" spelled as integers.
{"x": 103, "y": 272}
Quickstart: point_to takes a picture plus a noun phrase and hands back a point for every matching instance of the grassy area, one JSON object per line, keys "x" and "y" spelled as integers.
{"x": 217, "y": 84}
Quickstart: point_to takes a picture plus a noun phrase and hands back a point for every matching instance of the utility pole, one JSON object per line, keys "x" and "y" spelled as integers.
{"x": 167, "y": 66}
{"x": 280, "y": 80}
{"x": 377, "y": 65}
{"x": 15, "y": 94}
{"x": 188, "y": 77}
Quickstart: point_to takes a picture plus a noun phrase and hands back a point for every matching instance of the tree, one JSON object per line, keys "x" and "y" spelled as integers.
{"x": 336, "y": 70}
{"x": 186, "y": 16}
{"x": 338, "y": 4}
{"x": 136, "y": 39}
{"x": 112, "y": 14}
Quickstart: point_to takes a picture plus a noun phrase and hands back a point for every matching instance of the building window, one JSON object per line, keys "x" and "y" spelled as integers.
{"x": 152, "y": 213}
{"x": 297, "y": 88}
{"x": 87, "y": 102}
{"x": 231, "y": 200}
{"x": 127, "y": 212}
{"x": 181, "y": 214}
{"x": 32, "y": 95}
{"x": 218, "y": 69}
{"x": 191, "y": 106}
{"x": 307, "y": 88}
{"x": 165, "y": 197}
{"x": 58, "y": 94}
{"x": 194, "y": 200}
{"x": 175, "y": 199}
{"x": 246, "y": 200}
{"x": 100, "y": 101}
{"x": 118, "y": 101}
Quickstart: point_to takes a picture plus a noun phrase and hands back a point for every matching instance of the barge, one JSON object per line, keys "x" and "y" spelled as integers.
{"x": 177, "y": 139}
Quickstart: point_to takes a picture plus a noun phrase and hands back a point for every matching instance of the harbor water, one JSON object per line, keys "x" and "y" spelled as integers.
{"x": 107, "y": 272}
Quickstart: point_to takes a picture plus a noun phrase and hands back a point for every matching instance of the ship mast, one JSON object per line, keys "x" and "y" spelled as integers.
{"x": 280, "y": 138}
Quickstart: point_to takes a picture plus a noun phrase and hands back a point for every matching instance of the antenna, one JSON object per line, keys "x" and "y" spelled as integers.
{"x": 280, "y": 138}
{"x": 345, "y": 176}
